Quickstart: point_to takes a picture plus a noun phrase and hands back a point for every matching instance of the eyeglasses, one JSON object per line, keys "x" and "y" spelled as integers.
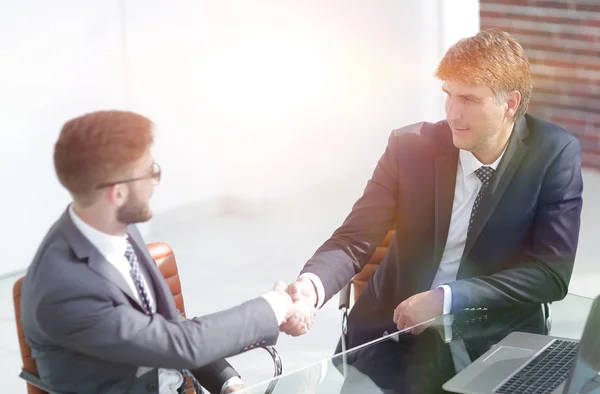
{"x": 155, "y": 175}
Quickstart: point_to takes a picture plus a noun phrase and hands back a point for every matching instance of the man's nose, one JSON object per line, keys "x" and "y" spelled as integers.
{"x": 453, "y": 110}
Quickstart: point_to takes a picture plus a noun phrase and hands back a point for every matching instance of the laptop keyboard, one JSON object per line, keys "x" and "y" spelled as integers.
{"x": 545, "y": 372}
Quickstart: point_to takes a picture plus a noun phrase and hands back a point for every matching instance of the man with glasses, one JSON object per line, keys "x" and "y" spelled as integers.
{"x": 96, "y": 312}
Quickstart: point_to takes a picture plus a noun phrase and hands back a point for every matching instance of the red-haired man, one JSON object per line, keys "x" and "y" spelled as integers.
{"x": 96, "y": 311}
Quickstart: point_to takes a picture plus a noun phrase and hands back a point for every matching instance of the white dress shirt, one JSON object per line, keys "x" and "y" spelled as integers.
{"x": 465, "y": 191}
{"x": 467, "y": 186}
{"x": 113, "y": 249}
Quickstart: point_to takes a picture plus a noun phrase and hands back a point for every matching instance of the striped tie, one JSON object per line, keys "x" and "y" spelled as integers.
{"x": 142, "y": 290}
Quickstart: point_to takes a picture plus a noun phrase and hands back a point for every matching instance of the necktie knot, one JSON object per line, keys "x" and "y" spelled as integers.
{"x": 129, "y": 252}
{"x": 484, "y": 173}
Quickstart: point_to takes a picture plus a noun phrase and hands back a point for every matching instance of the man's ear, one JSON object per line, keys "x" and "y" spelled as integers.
{"x": 117, "y": 194}
{"x": 512, "y": 103}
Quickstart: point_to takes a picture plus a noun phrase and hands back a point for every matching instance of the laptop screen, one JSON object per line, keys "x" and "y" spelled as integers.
{"x": 587, "y": 363}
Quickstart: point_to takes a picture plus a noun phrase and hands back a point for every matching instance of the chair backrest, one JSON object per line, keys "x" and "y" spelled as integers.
{"x": 165, "y": 259}
{"x": 360, "y": 280}
{"x": 29, "y": 363}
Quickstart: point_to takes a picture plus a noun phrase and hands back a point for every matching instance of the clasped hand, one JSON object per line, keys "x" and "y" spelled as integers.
{"x": 301, "y": 310}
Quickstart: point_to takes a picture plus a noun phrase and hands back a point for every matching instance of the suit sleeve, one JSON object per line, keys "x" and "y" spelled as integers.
{"x": 544, "y": 275}
{"x": 89, "y": 322}
{"x": 213, "y": 376}
{"x": 372, "y": 216}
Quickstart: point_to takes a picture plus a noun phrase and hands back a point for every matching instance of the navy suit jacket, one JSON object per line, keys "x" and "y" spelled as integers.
{"x": 522, "y": 243}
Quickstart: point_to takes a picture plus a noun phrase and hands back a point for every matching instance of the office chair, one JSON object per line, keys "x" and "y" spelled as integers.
{"x": 165, "y": 259}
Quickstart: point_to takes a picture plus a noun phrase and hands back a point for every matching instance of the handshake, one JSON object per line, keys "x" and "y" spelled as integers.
{"x": 300, "y": 298}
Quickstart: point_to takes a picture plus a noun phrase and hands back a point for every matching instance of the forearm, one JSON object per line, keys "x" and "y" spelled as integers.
{"x": 351, "y": 246}
{"x": 123, "y": 335}
{"x": 530, "y": 282}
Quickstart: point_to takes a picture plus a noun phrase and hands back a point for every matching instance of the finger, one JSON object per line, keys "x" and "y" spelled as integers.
{"x": 280, "y": 286}
{"x": 309, "y": 322}
{"x": 293, "y": 322}
{"x": 418, "y": 330}
{"x": 294, "y": 291}
{"x": 289, "y": 325}
{"x": 400, "y": 322}
{"x": 299, "y": 330}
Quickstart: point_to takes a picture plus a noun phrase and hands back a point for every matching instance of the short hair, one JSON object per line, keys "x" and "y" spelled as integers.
{"x": 99, "y": 146}
{"x": 491, "y": 58}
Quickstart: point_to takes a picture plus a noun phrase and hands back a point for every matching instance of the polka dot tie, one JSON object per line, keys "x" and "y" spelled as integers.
{"x": 484, "y": 174}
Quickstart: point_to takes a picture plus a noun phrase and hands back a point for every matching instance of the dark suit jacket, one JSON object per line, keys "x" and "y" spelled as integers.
{"x": 522, "y": 243}
{"x": 89, "y": 334}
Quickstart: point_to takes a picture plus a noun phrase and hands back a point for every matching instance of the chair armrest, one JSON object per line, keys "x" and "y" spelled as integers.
{"x": 344, "y": 307}
{"x": 276, "y": 359}
{"x": 35, "y": 380}
{"x": 547, "y": 311}
{"x": 345, "y": 296}
{"x": 278, "y": 367}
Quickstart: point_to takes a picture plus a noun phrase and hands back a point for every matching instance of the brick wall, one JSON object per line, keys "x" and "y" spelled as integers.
{"x": 562, "y": 41}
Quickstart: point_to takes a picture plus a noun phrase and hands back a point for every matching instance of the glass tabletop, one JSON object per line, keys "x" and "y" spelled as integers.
{"x": 411, "y": 362}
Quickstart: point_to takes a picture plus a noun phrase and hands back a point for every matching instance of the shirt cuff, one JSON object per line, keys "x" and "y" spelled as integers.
{"x": 448, "y": 333}
{"x": 278, "y": 305}
{"x": 318, "y": 285}
{"x": 231, "y": 382}
{"x": 447, "y": 299}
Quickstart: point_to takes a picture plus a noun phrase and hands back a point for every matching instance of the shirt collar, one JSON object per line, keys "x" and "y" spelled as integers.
{"x": 106, "y": 244}
{"x": 470, "y": 163}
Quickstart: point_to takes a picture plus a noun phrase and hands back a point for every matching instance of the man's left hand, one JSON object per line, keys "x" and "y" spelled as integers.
{"x": 419, "y": 308}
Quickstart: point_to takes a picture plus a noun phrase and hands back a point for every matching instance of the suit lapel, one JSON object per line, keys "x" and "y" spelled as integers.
{"x": 85, "y": 251}
{"x": 102, "y": 267}
{"x": 515, "y": 151}
{"x": 445, "y": 182}
{"x": 165, "y": 304}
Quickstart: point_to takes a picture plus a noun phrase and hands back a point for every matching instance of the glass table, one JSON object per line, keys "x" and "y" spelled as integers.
{"x": 407, "y": 362}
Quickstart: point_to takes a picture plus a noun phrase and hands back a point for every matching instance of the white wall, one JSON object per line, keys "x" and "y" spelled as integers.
{"x": 262, "y": 100}
{"x": 57, "y": 59}
{"x": 265, "y": 99}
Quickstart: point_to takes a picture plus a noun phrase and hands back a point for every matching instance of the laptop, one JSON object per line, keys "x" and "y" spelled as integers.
{"x": 539, "y": 364}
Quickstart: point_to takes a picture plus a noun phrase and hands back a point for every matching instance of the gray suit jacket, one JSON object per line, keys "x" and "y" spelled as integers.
{"x": 88, "y": 333}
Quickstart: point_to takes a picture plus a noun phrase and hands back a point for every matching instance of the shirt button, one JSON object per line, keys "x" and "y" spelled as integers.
{"x": 152, "y": 388}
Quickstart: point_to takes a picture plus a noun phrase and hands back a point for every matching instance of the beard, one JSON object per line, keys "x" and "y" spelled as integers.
{"x": 134, "y": 211}
{"x": 475, "y": 140}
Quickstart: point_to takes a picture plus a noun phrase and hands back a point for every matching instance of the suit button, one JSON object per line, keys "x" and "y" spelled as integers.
{"x": 152, "y": 388}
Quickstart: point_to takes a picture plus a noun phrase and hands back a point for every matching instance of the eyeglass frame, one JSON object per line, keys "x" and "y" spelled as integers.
{"x": 154, "y": 175}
